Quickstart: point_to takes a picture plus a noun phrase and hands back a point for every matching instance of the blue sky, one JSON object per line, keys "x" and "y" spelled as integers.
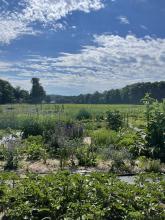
{"x": 81, "y": 46}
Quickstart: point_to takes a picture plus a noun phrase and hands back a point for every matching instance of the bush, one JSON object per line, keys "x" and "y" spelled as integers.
{"x": 34, "y": 151}
{"x": 34, "y": 147}
{"x": 133, "y": 142}
{"x": 118, "y": 158}
{"x": 62, "y": 131}
{"x": 83, "y": 114}
{"x": 115, "y": 120}
{"x": 2, "y": 153}
{"x": 127, "y": 139}
{"x": 11, "y": 158}
{"x": 35, "y": 139}
{"x": 86, "y": 156}
{"x": 32, "y": 128}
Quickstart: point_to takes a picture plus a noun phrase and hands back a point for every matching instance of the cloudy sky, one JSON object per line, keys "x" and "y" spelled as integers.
{"x": 80, "y": 46}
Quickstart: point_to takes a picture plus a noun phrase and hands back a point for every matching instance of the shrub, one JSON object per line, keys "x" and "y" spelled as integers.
{"x": 133, "y": 142}
{"x": 86, "y": 156}
{"x": 34, "y": 151}
{"x": 11, "y": 158}
{"x": 118, "y": 158}
{"x": 127, "y": 139}
{"x": 99, "y": 117}
{"x": 2, "y": 152}
{"x": 83, "y": 114}
{"x": 62, "y": 131}
{"x": 115, "y": 120}
{"x": 32, "y": 128}
{"x": 34, "y": 147}
{"x": 35, "y": 139}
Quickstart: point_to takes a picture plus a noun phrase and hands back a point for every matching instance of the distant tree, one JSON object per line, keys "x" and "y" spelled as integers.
{"x": 24, "y": 96}
{"x": 6, "y": 92}
{"x": 37, "y": 94}
{"x": 21, "y": 96}
{"x": 48, "y": 99}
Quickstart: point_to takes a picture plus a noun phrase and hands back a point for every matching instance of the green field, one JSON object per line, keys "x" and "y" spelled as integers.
{"x": 13, "y": 115}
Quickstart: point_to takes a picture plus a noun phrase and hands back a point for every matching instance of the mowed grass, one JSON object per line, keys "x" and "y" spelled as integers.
{"x": 13, "y": 115}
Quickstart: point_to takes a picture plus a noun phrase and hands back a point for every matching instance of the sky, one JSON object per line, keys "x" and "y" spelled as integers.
{"x": 82, "y": 46}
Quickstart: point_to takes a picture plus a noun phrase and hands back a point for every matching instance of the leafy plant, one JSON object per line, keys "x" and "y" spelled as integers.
{"x": 11, "y": 158}
{"x": 149, "y": 165}
{"x": 34, "y": 151}
{"x": 86, "y": 155}
{"x": 73, "y": 196}
{"x": 83, "y": 114}
{"x": 155, "y": 131}
{"x": 115, "y": 120}
{"x": 32, "y": 128}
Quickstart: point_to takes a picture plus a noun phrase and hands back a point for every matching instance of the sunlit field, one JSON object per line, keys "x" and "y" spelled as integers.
{"x": 13, "y": 115}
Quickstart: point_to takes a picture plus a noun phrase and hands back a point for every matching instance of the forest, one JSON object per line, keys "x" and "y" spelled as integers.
{"x": 131, "y": 94}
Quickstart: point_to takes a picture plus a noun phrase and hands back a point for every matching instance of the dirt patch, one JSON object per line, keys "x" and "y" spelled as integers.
{"x": 40, "y": 167}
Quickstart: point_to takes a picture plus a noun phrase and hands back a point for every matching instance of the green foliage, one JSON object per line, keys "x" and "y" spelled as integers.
{"x": 127, "y": 138}
{"x": 149, "y": 165}
{"x": 9, "y": 94}
{"x": 32, "y": 128}
{"x": 155, "y": 135}
{"x": 133, "y": 141}
{"x": 95, "y": 196}
{"x": 86, "y": 155}
{"x": 35, "y": 139}
{"x": 115, "y": 120}
{"x": 37, "y": 93}
{"x": 34, "y": 147}
{"x": 34, "y": 151}
{"x": 2, "y": 152}
{"x": 131, "y": 94}
{"x": 63, "y": 131}
{"x": 104, "y": 137}
{"x": 118, "y": 158}
{"x": 11, "y": 158}
{"x": 83, "y": 114}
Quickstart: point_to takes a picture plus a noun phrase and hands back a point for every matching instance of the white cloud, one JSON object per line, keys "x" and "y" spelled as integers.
{"x": 113, "y": 62}
{"x": 10, "y": 29}
{"x": 50, "y": 10}
{"x": 14, "y": 24}
{"x": 123, "y": 20}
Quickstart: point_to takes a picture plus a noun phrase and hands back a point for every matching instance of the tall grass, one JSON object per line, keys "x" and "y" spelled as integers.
{"x": 13, "y": 116}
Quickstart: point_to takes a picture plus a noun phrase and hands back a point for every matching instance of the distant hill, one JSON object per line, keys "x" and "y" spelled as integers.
{"x": 131, "y": 94}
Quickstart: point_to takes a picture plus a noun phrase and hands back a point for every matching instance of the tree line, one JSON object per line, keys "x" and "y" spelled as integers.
{"x": 9, "y": 94}
{"x": 131, "y": 94}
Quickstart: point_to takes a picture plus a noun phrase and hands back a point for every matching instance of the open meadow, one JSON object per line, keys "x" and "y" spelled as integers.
{"x": 13, "y": 115}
